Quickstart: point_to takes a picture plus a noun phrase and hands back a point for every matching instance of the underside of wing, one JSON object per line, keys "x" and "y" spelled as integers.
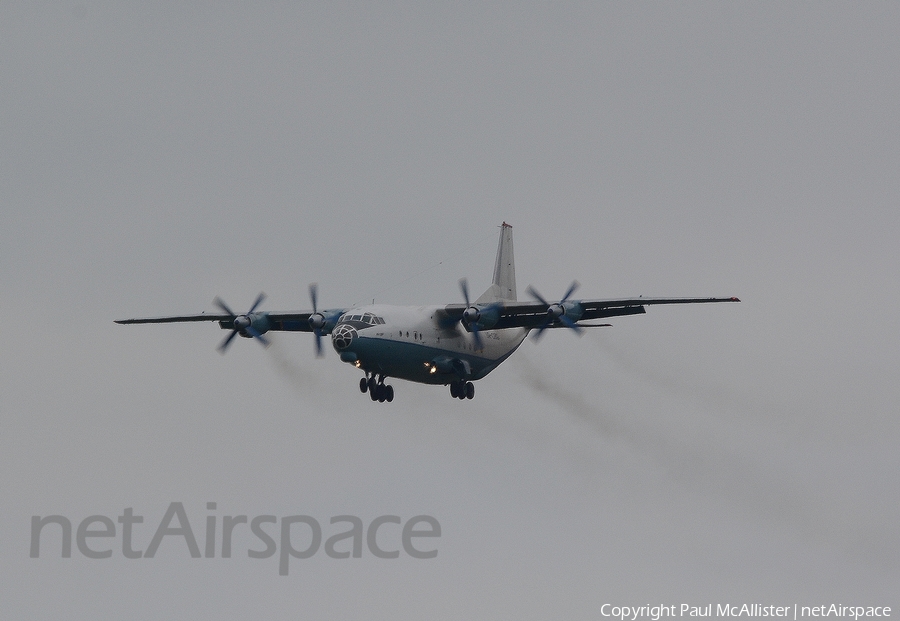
{"x": 177, "y": 318}
{"x": 291, "y": 321}
{"x": 567, "y": 313}
{"x": 598, "y": 309}
{"x": 255, "y": 323}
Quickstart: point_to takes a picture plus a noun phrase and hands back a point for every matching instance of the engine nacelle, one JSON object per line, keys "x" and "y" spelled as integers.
{"x": 317, "y": 321}
{"x": 481, "y": 317}
{"x": 324, "y": 322}
{"x": 572, "y": 310}
{"x": 257, "y": 321}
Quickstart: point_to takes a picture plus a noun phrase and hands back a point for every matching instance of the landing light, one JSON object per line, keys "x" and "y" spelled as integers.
{"x": 357, "y": 364}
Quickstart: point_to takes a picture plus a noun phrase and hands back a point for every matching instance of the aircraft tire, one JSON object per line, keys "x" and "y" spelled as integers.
{"x": 363, "y": 384}
{"x": 454, "y": 389}
{"x": 470, "y": 390}
{"x": 373, "y": 392}
{"x": 389, "y": 393}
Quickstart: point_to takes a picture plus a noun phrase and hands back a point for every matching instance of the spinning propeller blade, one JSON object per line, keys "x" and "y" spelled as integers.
{"x": 555, "y": 311}
{"x": 473, "y": 321}
{"x": 241, "y": 323}
{"x": 316, "y": 320}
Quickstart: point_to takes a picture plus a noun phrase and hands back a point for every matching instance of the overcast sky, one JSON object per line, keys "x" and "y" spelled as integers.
{"x": 153, "y": 156}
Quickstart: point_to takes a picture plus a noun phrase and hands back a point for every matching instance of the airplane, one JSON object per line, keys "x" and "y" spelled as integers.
{"x": 452, "y": 345}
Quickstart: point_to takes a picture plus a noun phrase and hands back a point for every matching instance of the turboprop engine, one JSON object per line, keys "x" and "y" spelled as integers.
{"x": 478, "y": 317}
{"x": 248, "y": 325}
{"x": 564, "y": 312}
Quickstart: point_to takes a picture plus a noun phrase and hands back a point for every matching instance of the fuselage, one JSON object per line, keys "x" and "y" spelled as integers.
{"x": 418, "y": 343}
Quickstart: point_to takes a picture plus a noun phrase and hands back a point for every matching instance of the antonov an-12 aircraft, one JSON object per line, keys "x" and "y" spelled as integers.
{"x": 451, "y": 345}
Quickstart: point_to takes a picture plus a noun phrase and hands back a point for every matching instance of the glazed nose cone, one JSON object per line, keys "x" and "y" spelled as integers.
{"x": 343, "y": 337}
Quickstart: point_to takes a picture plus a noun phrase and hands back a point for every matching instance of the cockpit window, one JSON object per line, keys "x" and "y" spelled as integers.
{"x": 365, "y": 318}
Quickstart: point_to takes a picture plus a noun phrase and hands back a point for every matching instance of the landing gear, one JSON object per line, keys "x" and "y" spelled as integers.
{"x": 462, "y": 390}
{"x": 377, "y": 389}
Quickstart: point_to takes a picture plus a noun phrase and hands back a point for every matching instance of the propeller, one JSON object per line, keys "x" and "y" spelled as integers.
{"x": 242, "y": 323}
{"x": 477, "y": 318}
{"x": 555, "y": 311}
{"x": 471, "y": 314}
{"x": 317, "y": 319}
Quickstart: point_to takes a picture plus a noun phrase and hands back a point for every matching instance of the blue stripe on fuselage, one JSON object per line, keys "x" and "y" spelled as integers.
{"x": 407, "y": 360}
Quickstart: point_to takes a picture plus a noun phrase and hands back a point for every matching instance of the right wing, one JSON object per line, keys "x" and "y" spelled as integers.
{"x": 289, "y": 321}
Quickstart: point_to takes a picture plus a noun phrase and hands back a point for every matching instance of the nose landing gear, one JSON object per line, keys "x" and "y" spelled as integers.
{"x": 462, "y": 390}
{"x": 377, "y": 389}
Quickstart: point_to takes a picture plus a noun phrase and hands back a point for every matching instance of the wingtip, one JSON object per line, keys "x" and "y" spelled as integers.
{"x": 735, "y": 300}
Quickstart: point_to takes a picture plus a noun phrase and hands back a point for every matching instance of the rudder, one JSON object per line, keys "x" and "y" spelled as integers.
{"x": 503, "y": 286}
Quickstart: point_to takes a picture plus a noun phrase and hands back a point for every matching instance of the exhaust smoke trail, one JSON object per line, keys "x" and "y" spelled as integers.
{"x": 300, "y": 379}
{"x": 713, "y": 454}
{"x": 669, "y": 381}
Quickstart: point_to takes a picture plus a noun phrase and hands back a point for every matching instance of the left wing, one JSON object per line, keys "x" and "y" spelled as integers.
{"x": 542, "y": 314}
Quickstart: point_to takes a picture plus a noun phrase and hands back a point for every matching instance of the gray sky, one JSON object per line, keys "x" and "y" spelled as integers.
{"x": 154, "y": 157}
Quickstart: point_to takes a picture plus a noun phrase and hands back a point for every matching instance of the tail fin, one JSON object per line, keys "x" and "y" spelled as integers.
{"x": 504, "y": 283}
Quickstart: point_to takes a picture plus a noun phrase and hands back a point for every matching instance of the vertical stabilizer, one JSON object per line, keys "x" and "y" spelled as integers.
{"x": 504, "y": 283}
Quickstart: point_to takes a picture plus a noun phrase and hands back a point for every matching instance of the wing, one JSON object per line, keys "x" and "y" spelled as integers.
{"x": 177, "y": 318}
{"x": 509, "y": 314}
{"x": 290, "y": 321}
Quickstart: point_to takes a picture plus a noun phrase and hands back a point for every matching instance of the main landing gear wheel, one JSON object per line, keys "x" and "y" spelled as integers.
{"x": 377, "y": 389}
{"x": 382, "y": 393}
{"x": 462, "y": 390}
